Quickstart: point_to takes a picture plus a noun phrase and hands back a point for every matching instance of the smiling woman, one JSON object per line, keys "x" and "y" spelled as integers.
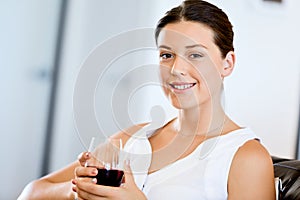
{"x": 187, "y": 48}
{"x": 201, "y": 153}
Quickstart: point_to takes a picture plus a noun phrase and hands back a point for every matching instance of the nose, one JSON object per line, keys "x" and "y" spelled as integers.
{"x": 179, "y": 66}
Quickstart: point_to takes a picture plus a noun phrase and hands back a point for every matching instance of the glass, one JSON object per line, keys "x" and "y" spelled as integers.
{"x": 109, "y": 163}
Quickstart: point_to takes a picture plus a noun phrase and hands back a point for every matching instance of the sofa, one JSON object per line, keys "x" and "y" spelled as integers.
{"x": 288, "y": 171}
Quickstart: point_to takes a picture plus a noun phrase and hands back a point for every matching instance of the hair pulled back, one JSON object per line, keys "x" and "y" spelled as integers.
{"x": 204, "y": 13}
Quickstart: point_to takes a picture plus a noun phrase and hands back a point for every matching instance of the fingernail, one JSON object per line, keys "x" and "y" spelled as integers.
{"x": 74, "y": 181}
{"x": 74, "y": 189}
{"x": 87, "y": 154}
{"x": 94, "y": 180}
{"x": 94, "y": 171}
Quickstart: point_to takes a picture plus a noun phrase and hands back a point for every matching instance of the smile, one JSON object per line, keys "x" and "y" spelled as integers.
{"x": 182, "y": 86}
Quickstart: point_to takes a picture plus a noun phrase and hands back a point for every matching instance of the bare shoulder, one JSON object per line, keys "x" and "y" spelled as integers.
{"x": 252, "y": 151}
{"x": 251, "y": 173}
{"x": 125, "y": 134}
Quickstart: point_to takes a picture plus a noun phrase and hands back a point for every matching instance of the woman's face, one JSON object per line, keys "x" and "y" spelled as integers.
{"x": 191, "y": 64}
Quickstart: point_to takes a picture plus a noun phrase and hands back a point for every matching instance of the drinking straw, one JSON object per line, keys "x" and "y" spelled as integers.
{"x": 91, "y": 144}
{"x": 90, "y": 149}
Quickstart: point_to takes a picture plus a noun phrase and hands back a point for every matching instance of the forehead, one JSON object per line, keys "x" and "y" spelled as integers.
{"x": 186, "y": 33}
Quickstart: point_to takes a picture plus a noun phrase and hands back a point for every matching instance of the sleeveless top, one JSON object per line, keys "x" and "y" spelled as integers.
{"x": 203, "y": 174}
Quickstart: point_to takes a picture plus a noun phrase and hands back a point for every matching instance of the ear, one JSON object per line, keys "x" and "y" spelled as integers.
{"x": 228, "y": 64}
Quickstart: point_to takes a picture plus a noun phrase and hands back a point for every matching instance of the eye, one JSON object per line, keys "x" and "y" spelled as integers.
{"x": 165, "y": 56}
{"x": 195, "y": 55}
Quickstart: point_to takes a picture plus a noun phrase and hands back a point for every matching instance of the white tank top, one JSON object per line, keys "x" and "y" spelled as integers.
{"x": 201, "y": 175}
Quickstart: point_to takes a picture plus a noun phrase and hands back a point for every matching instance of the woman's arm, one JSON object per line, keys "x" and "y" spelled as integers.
{"x": 251, "y": 174}
{"x": 56, "y": 185}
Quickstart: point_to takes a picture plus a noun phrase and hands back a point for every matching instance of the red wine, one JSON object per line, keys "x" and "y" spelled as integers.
{"x": 109, "y": 177}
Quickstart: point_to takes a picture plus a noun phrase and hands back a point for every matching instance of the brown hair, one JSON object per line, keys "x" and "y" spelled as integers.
{"x": 204, "y": 13}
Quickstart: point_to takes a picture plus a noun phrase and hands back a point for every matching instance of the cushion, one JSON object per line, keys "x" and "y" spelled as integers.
{"x": 288, "y": 171}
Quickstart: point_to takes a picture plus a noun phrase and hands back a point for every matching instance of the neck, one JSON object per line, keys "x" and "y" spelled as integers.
{"x": 205, "y": 121}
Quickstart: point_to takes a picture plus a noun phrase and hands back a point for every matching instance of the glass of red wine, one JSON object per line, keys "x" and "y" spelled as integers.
{"x": 109, "y": 163}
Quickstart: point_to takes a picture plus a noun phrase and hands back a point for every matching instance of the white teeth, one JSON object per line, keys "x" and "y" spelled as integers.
{"x": 182, "y": 87}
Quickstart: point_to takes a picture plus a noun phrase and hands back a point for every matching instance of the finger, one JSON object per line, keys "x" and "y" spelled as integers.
{"x": 90, "y": 190}
{"x": 79, "y": 193}
{"x": 76, "y": 197}
{"x": 87, "y": 195}
{"x": 88, "y": 180}
{"x": 86, "y": 172}
{"x": 83, "y": 157}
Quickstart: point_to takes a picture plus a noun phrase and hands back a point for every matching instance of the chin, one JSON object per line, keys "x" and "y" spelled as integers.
{"x": 184, "y": 106}
{"x": 187, "y": 104}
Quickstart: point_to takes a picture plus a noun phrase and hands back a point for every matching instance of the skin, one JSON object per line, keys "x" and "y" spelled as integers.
{"x": 63, "y": 183}
{"x": 188, "y": 56}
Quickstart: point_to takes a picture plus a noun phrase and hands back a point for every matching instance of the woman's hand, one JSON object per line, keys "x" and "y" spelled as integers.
{"x": 83, "y": 158}
{"x": 87, "y": 188}
{"x": 83, "y": 172}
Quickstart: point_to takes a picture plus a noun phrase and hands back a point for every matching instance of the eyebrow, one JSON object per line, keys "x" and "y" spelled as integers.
{"x": 196, "y": 45}
{"x": 187, "y": 47}
{"x": 164, "y": 47}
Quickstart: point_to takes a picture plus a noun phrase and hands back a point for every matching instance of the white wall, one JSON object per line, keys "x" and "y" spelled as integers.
{"x": 89, "y": 24}
{"x": 27, "y": 38}
{"x": 262, "y": 93}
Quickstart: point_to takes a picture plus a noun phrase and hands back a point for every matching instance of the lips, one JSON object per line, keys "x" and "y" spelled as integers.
{"x": 182, "y": 86}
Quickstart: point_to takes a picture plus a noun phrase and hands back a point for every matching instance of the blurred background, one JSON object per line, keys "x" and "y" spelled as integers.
{"x": 44, "y": 43}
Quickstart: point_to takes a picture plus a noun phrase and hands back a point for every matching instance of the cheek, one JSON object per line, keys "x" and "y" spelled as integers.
{"x": 164, "y": 73}
{"x": 209, "y": 75}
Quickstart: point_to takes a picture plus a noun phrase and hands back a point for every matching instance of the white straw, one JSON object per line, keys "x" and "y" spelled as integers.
{"x": 90, "y": 149}
{"x": 91, "y": 144}
{"x": 121, "y": 145}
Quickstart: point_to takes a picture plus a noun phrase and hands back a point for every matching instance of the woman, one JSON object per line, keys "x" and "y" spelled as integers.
{"x": 201, "y": 154}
